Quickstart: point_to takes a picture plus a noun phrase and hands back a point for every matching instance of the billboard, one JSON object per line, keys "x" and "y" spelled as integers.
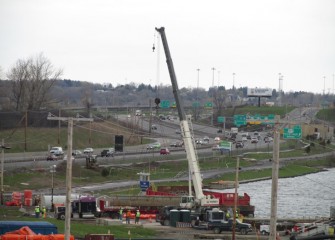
{"x": 259, "y": 92}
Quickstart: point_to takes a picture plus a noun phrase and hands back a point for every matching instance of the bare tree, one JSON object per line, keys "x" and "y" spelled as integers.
{"x": 32, "y": 79}
{"x": 87, "y": 98}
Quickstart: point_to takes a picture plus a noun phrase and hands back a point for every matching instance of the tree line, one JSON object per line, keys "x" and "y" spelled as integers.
{"x": 35, "y": 84}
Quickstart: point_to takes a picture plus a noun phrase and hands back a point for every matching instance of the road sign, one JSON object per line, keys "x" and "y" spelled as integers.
{"x": 208, "y": 105}
{"x": 292, "y": 133}
{"x": 165, "y": 104}
{"x": 221, "y": 119}
{"x": 240, "y": 120}
{"x": 225, "y": 145}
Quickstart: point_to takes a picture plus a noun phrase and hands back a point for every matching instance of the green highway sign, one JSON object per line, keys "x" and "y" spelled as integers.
{"x": 221, "y": 119}
{"x": 208, "y": 105}
{"x": 240, "y": 120}
{"x": 165, "y": 104}
{"x": 292, "y": 133}
{"x": 225, "y": 145}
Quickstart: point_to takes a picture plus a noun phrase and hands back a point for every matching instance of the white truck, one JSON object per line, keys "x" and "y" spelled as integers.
{"x": 57, "y": 151}
{"x": 138, "y": 112}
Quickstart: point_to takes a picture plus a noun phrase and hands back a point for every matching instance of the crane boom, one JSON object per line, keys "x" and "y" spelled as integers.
{"x": 187, "y": 137}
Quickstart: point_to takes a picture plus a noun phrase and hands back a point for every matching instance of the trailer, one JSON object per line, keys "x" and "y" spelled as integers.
{"x": 149, "y": 205}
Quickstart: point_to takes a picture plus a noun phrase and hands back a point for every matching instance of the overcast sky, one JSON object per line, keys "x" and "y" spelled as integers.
{"x": 110, "y": 41}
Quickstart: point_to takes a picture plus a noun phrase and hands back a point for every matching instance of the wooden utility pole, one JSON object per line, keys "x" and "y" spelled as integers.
{"x": 2, "y": 168}
{"x": 235, "y": 196}
{"x": 25, "y": 131}
{"x": 58, "y": 127}
{"x": 69, "y": 167}
{"x": 274, "y": 190}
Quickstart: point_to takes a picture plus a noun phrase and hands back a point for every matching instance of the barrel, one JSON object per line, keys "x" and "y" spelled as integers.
{"x": 185, "y": 216}
{"x": 174, "y": 217}
{"x": 28, "y": 194}
{"x": 28, "y": 202}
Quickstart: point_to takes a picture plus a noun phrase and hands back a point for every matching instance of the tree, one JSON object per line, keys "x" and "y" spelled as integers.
{"x": 32, "y": 80}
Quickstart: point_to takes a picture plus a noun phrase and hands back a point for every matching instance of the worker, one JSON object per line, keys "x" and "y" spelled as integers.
{"x": 120, "y": 213}
{"x": 44, "y": 212}
{"x": 227, "y": 215}
{"x": 137, "y": 216}
{"x": 128, "y": 215}
{"x": 236, "y": 214}
{"x": 37, "y": 211}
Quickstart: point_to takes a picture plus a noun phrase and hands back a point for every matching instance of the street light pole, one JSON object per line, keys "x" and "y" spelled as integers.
{"x": 212, "y": 122}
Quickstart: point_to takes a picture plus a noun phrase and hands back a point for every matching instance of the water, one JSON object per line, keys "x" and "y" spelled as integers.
{"x": 309, "y": 196}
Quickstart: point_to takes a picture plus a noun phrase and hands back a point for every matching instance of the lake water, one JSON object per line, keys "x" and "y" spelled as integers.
{"x": 308, "y": 196}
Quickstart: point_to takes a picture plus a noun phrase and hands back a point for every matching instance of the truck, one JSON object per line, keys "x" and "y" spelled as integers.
{"x": 199, "y": 204}
{"x": 138, "y": 112}
{"x": 199, "y": 200}
{"x": 84, "y": 207}
{"x": 220, "y": 226}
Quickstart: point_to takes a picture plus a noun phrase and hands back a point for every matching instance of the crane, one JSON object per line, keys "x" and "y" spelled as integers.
{"x": 200, "y": 199}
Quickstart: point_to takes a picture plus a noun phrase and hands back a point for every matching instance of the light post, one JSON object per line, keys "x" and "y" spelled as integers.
{"x": 2, "y": 147}
{"x": 52, "y": 170}
{"x": 197, "y": 97}
{"x": 213, "y": 69}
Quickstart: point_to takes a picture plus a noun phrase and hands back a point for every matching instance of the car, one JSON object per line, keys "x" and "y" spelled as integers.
{"x": 76, "y": 153}
{"x": 107, "y": 152}
{"x": 178, "y": 131}
{"x": 164, "y": 151}
{"x": 239, "y": 145}
{"x": 198, "y": 141}
{"x": 56, "y": 151}
{"x": 257, "y": 135}
{"x": 268, "y": 139}
{"x": 217, "y": 139}
{"x": 219, "y": 130}
{"x": 177, "y": 144}
{"x": 254, "y": 140}
{"x": 153, "y": 146}
{"x": 206, "y": 139}
{"x": 153, "y": 127}
{"x": 52, "y": 157}
{"x": 88, "y": 151}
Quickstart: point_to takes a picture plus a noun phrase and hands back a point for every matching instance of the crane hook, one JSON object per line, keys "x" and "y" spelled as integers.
{"x": 153, "y": 48}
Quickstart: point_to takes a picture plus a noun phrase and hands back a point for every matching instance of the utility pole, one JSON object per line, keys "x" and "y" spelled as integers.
{"x": 25, "y": 131}
{"x": 235, "y": 197}
{"x": 213, "y": 69}
{"x": 2, "y": 147}
{"x": 68, "y": 167}
{"x": 274, "y": 189}
{"x": 58, "y": 127}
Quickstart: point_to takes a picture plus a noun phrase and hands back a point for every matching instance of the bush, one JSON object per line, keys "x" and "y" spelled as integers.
{"x": 105, "y": 172}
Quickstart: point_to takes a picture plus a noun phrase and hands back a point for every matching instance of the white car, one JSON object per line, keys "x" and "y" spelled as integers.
{"x": 88, "y": 151}
{"x": 56, "y": 151}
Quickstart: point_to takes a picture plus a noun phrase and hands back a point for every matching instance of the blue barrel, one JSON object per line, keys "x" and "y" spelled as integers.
{"x": 174, "y": 217}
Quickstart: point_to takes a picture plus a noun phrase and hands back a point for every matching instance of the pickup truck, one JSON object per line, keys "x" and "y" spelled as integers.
{"x": 218, "y": 227}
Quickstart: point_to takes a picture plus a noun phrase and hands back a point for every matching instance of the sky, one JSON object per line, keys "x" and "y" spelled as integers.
{"x": 245, "y": 43}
